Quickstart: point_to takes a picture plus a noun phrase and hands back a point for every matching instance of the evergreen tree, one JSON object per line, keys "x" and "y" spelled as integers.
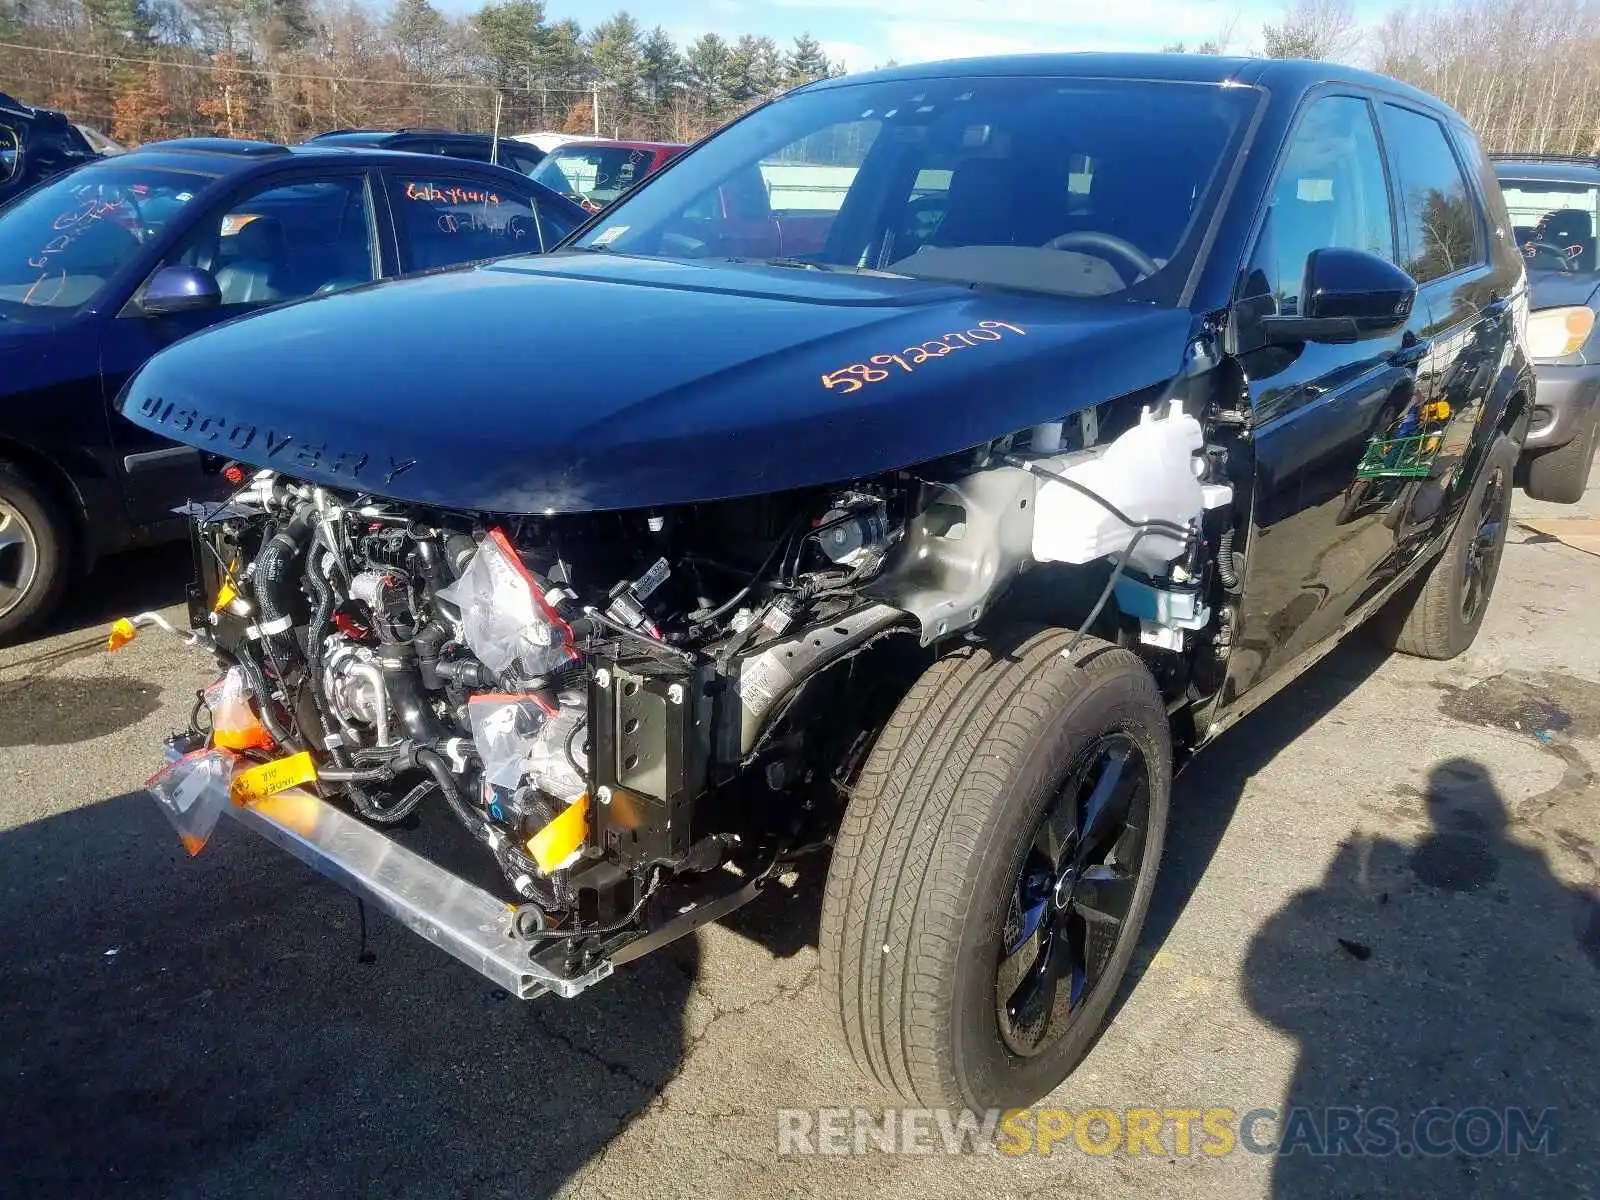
{"x": 660, "y": 66}
{"x": 708, "y": 70}
{"x": 807, "y": 61}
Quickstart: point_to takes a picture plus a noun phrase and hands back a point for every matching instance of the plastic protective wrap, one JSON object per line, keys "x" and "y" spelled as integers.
{"x": 505, "y": 618}
{"x": 234, "y": 724}
{"x": 550, "y": 767}
{"x": 504, "y": 729}
{"x": 192, "y": 792}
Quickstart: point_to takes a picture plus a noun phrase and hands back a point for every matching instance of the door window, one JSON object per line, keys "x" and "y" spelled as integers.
{"x": 307, "y": 238}
{"x": 1443, "y": 234}
{"x": 1330, "y": 193}
{"x": 446, "y": 219}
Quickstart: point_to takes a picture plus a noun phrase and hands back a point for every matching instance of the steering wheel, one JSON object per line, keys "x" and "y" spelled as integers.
{"x": 1099, "y": 244}
{"x": 1537, "y": 252}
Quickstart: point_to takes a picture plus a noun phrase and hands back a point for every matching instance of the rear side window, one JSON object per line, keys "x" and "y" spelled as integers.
{"x": 1437, "y": 209}
{"x": 446, "y": 219}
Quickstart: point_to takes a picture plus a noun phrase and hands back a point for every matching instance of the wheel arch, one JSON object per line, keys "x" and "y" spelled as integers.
{"x": 55, "y": 480}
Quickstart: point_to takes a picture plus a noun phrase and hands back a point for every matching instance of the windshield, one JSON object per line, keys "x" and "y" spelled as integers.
{"x": 60, "y": 244}
{"x": 1555, "y": 222}
{"x": 1079, "y": 187}
{"x": 594, "y": 176}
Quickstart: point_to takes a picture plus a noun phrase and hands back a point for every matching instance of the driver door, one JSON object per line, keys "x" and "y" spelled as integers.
{"x": 1319, "y": 531}
{"x": 286, "y": 238}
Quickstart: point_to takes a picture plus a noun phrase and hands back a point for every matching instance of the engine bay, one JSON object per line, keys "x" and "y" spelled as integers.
{"x": 640, "y": 714}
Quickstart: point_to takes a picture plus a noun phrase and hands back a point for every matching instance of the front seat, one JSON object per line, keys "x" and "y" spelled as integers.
{"x": 256, "y": 273}
{"x": 979, "y": 205}
{"x": 1570, "y": 229}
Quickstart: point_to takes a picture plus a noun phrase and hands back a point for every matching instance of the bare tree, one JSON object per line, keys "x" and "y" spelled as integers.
{"x": 1313, "y": 29}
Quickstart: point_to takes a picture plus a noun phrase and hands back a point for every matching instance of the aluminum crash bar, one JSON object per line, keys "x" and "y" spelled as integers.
{"x": 458, "y": 917}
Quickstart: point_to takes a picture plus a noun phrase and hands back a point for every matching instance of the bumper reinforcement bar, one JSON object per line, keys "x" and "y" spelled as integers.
{"x": 458, "y": 917}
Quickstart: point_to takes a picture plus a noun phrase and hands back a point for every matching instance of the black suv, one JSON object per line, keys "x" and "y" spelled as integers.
{"x": 1554, "y": 202}
{"x": 1116, "y": 390}
{"x": 479, "y": 147}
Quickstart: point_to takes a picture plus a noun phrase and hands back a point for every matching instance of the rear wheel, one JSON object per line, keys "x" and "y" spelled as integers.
{"x": 33, "y": 559}
{"x": 1439, "y": 616}
{"x": 994, "y": 868}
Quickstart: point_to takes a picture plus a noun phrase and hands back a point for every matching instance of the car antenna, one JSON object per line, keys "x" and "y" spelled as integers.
{"x": 494, "y": 146}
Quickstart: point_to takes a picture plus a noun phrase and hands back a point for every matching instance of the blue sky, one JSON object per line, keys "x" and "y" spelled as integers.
{"x": 865, "y": 33}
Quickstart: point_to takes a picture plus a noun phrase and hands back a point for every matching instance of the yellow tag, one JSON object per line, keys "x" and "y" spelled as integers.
{"x": 272, "y": 777}
{"x": 226, "y": 595}
{"x": 122, "y": 632}
{"x": 557, "y": 841}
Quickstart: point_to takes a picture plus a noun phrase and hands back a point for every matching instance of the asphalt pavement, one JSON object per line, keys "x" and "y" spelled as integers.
{"x": 1381, "y": 893}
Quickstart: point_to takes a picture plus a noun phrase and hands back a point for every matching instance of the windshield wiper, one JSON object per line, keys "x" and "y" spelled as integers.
{"x": 806, "y": 264}
{"x": 803, "y": 264}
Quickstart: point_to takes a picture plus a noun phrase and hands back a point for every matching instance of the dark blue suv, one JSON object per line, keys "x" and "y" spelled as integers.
{"x": 105, "y": 265}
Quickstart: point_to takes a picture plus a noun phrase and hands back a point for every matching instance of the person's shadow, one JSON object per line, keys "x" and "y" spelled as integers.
{"x": 1446, "y": 1000}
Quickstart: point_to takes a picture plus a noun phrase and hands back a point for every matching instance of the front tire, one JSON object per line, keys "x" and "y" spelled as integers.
{"x": 1439, "y": 616}
{"x": 33, "y": 552}
{"x": 994, "y": 868}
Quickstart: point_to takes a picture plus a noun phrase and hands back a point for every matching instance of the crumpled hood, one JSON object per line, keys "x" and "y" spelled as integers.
{"x": 586, "y": 381}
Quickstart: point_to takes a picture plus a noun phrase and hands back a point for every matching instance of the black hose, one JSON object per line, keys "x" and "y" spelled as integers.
{"x": 727, "y": 606}
{"x": 316, "y": 631}
{"x": 1089, "y": 493}
{"x": 578, "y": 727}
{"x": 392, "y": 814}
{"x": 621, "y": 630}
{"x": 434, "y": 765}
{"x": 1225, "y": 571}
{"x": 356, "y": 775}
{"x": 264, "y": 705}
{"x": 512, "y": 861}
{"x": 273, "y": 577}
{"x": 1105, "y": 594}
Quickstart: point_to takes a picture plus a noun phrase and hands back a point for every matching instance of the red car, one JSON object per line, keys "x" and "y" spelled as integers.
{"x": 596, "y": 173}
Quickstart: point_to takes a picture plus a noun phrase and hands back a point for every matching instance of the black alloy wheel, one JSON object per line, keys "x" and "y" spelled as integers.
{"x": 1073, "y": 895}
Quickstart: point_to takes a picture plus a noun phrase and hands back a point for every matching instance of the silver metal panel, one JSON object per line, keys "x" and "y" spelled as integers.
{"x": 461, "y": 919}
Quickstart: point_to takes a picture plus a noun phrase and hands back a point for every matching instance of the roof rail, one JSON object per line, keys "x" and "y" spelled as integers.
{"x": 1592, "y": 160}
{"x": 350, "y": 129}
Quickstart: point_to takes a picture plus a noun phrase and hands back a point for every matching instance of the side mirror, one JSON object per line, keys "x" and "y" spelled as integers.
{"x": 173, "y": 290}
{"x": 1345, "y": 296}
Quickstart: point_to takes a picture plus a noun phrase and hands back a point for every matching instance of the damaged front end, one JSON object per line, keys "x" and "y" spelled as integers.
{"x": 640, "y": 716}
{"x": 605, "y": 702}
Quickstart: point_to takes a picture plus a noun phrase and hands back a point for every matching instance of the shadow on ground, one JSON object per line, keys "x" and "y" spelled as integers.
{"x": 177, "y": 1027}
{"x": 1443, "y": 997}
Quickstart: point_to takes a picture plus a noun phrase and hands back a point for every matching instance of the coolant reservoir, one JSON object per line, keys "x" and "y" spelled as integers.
{"x": 1148, "y": 473}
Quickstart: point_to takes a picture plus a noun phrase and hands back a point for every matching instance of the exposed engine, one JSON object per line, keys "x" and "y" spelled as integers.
{"x": 610, "y": 701}
{"x": 513, "y": 669}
